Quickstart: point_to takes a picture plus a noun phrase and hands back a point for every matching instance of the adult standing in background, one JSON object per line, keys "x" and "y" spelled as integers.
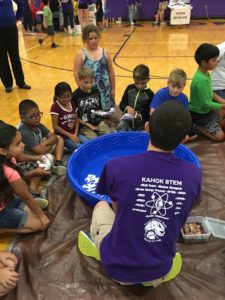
{"x": 83, "y": 13}
{"x": 9, "y": 45}
{"x": 131, "y": 11}
{"x": 137, "y": 10}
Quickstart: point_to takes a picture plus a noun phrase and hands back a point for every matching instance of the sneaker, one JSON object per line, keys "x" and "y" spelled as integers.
{"x": 87, "y": 246}
{"x": 25, "y": 86}
{"x": 43, "y": 202}
{"x": 8, "y": 89}
{"x": 132, "y": 24}
{"x": 163, "y": 23}
{"x": 54, "y": 45}
{"x": 155, "y": 23}
{"x": 59, "y": 169}
{"x": 74, "y": 34}
{"x": 40, "y": 41}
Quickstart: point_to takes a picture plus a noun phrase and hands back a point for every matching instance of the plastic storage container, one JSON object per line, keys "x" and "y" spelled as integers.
{"x": 195, "y": 238}
{"x": 216, "y": 227}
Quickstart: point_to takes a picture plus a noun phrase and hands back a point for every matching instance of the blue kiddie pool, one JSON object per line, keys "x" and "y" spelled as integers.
{"x": 86, "y": 164}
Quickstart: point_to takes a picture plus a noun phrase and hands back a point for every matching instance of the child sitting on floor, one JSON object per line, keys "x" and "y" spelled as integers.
{"x": 173, "y": 91}
{"x": 136, "y": 101}
{"x": 88, "y": 100}
{"x": 64, "y": 117}
{"x": 37, "y": 138}
{"x": 206, "y": 113}
{"x": 137, "y": 237}
{"x": 20, "y": 212}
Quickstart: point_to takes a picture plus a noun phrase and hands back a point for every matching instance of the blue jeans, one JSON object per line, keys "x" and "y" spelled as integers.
{"x": 13, "y": 215}
{"x": 71, "y": 146}
{"x": 220, "y": 93}
{"x": 131, "y": 12}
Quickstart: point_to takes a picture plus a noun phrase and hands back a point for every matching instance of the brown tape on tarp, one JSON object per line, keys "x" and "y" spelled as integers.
{"x": 52, "y": 268}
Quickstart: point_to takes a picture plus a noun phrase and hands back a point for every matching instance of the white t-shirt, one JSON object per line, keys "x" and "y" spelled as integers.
{"x": 218, "y": 75}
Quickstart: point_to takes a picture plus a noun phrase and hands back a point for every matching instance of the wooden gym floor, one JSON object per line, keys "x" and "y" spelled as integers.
{"x": 161, "y": 48}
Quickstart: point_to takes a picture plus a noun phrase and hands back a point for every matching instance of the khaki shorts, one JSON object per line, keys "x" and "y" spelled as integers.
{"x": 103, "y": 128}
{"x": 101, "y": 223}
{"x": 163, "y": 5}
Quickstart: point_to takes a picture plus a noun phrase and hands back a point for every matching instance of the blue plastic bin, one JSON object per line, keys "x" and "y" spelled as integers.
{"x": 86, "y": 164}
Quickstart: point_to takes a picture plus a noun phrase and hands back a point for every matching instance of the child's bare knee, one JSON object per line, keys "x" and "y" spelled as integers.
{"x": 102, "y": 204}
{"x": 219, "y": 137}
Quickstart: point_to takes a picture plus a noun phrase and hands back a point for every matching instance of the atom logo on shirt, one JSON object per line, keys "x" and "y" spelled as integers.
{"x": 159, "y": 204}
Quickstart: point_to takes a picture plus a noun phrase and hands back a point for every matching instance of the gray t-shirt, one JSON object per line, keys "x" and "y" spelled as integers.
{"x": 32, "y": 136}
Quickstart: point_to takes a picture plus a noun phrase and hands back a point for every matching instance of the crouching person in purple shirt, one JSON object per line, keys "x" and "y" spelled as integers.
{"x": 152, "y": 195}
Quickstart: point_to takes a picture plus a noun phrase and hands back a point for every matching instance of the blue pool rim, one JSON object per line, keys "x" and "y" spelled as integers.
{"x": 92, "y": 198}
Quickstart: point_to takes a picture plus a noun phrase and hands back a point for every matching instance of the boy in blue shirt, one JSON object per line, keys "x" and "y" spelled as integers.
{"x": 173, "y": 91}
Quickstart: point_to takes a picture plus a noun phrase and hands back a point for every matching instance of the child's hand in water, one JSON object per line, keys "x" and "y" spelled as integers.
{"x": 44, "y": 221}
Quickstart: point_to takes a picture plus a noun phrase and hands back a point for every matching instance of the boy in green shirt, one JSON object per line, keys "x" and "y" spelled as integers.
{"x": 48, "y": 24}
{"x": 206, "y": 113}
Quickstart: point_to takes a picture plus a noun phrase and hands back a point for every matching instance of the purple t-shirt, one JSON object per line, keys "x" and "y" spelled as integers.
{"x": 66, "y": 118}
{"x": 67, "y": 6}
{"x": 155, "y": 193}
{"x": 163, "y": 95}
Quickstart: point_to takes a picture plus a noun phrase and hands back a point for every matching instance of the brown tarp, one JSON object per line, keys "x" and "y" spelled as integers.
{"x": 52, "y": 268}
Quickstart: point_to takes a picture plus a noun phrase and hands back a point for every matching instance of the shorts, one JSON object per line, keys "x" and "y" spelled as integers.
{"x": 210, "y": 123}
{"x": 101, "y": 224}
{"x": 50, "y": 30}
{"x": 13, "y": 215}
{"x": 163, "y": 5}
{"x": 82, "y": 6}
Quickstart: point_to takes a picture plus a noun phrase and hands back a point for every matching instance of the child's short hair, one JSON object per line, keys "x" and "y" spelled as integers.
{"x": 85, "y": 72}
{"x": 141, "y": 72}
{"x": 206, "y": 52}
{"x": 45, "y": 2}
{"x": 25, "y": 106}
{"x": 87, "y": 30}
{"x": 178, "y": 77}
{"x": 169, "y": 124}
{"x": 61, "y": 88}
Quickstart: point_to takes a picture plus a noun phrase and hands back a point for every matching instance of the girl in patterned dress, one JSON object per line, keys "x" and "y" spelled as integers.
{"x": 100, "y": 62}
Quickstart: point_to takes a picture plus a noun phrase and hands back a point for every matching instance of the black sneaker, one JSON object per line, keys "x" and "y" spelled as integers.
{"x": 8, "y": 89}
{"x": 25, "y": 86}
{"x": 58, "y": 168}
{"x": 40, "y": 41}
{"x": 54, "y": 45}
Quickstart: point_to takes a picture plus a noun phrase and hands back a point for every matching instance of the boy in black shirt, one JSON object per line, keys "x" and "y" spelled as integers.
{"x": 136, "y": 100}
{"x": 88, "y": 100}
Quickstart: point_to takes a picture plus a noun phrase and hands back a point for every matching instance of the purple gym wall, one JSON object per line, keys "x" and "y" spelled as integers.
{"x": 215, "y": 8}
